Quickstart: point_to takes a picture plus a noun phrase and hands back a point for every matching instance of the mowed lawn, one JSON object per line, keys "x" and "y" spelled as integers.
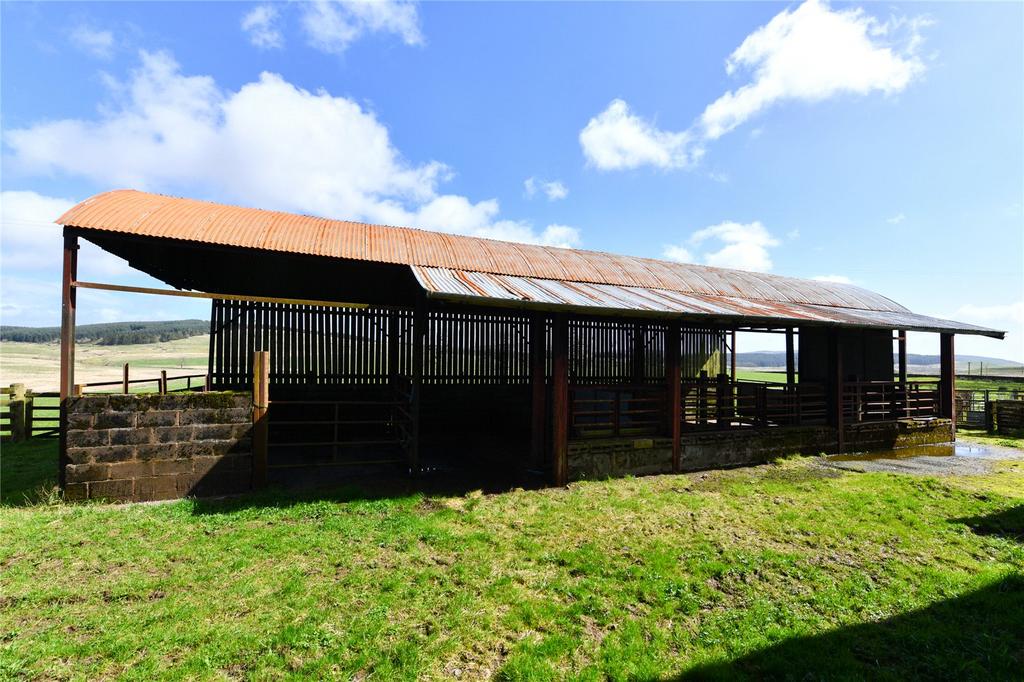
{"x": 789, "y": 570}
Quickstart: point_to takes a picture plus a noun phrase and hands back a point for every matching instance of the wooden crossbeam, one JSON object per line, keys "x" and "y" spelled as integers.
{"x": 203, "y": 294}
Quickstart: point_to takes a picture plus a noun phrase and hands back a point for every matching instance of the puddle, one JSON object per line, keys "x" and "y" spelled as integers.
{"x": 945, "y": 450}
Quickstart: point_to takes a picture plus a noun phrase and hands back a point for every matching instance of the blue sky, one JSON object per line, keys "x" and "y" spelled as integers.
{"x": 878, "y": 144}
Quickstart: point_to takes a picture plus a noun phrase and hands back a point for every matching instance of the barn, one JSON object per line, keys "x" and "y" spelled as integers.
{"x": 362, "y": 348}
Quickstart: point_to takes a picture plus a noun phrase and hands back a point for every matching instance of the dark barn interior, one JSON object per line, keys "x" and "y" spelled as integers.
{"x": 415, "y": 351}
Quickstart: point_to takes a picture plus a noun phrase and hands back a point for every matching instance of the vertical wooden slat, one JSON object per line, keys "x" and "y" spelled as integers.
{"x": 538, "y": 389}
{"x": 790, "y": 358}
{"x": 419, "y": 336}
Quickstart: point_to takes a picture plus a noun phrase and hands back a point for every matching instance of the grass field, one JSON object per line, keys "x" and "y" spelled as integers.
{"x": 787, "y": 571}
{"x": 962, "y": 383}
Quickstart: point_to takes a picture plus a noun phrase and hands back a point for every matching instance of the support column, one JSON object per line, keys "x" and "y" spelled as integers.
{"x": 947, "y": 378}
{"x": 790, "y": 357}
{"x": 732, "y": 359}
{"x": 538, "y": 389}
{"x": 674, "y": 392}
{"x": 902, "y": 356}
{"x": 419, "y": 336}
{"x": 260, "y": 423}
{"x": 67, "y": 342}
{"x": 835, "y": 385}
{"x": 560, "y": 398}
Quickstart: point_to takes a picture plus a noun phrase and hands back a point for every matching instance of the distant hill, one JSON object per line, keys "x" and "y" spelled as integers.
{"x": 111, "y": 333}
{"x": 777, "y": 358}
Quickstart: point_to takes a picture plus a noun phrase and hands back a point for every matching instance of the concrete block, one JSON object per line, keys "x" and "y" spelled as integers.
{"x": 115, "y": 491}
{"x": 82, "y": 473}
{"x": 115, "y": 420}
{"x": 87, "y": 439}
{"x": 158, "y": 418}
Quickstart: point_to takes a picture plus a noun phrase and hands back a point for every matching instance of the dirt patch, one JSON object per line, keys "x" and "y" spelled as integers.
{"x": 966, "y": 458}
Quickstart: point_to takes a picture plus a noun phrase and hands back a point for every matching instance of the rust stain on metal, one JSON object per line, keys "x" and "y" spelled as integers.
{"x": 459, "y": 265}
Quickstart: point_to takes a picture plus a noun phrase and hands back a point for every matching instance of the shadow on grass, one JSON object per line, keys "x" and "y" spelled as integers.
{"x": 1008, "y": 524}
{"x": 317, "y": 486}
{"x": 28, "y": 471}
{"x": 977, "y": 636}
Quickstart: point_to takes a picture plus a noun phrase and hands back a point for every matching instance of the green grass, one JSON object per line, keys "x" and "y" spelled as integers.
{"x": 787, "y": 571}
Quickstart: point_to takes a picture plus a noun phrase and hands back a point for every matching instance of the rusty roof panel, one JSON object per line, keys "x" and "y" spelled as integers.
{"x": 539, "y": 274}
{"x": 460, "y": 285}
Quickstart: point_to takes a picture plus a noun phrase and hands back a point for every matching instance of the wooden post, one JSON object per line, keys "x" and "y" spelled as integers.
{"x": 419, "y": 338}
{"x": 163, "y": 381}
{"x": 835, "y": 375}
{"x": 16, "y": 405}
{"x": 790, "y": 358}
{"x": 560, "y": 398}
{"x": 902, "y": 356}
{"x": 393, "y": 348}
{"x": 260, "y": 422}
{"x": 702, "y": 398}
{"x": 30, "y": 406}
{"x": 67, "y": 342}
{"x": 947, "y": 378}
{"x": 675, "y": 392}
{"x": 538, "y": 388}
{"x": 124, "y": 379}
{"x": 77, "y": 390}
{"x": 732, "y": 358}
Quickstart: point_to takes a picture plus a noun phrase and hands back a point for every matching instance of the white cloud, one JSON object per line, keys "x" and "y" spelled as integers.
{"x": 92, "y": 41}
{"x": 260, "y": 24}
{"x": 1008, "y": 317}
{"x": 813, "y": 53}
{"x": 744, "y": 246}
{"x": 896, "y": 219}
{"x": 270, "y": 144}
{"x": 553, "y": 190}
{"x": 616, "y": 139}
{"x": 332, "y": 25}
{"x": 838, "y": 279}
{"x": 807, "y": 54}
{"x": 680, "y": 254}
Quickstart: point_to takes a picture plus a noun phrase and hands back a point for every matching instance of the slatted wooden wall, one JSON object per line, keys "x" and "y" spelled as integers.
{"x": 323, "y": 346}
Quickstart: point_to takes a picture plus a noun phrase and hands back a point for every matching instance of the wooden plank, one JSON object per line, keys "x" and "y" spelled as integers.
{"x": 260, "y": 420}
{"x": 790, "y": 358}
{"x": 202, "y": 294}
{"x": 67, "y": 342}
{"x": 419, "y": 337}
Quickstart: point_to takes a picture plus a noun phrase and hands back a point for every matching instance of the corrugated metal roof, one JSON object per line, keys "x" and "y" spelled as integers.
{"x": 458, "y": 265}
{"x": 154, "y": 215}
{"x": 464, "y": 286}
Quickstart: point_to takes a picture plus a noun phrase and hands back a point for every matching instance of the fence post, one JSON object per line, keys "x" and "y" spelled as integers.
{"x": 30, "y": 406}
{"x": 163, "y": 381}
{"x": 124, "y": 379}
{"x": 17, "y": 412}
{"x": 78, "y": 390}
{"x": 260, "y": 426}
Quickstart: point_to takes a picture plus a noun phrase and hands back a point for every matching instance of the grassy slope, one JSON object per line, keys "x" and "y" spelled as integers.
{"x": 772, "y": 571}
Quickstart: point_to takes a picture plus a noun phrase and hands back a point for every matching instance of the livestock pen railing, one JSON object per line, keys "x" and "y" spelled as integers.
{"x": 972, "y": 404}
{"x": 865, "y": 401}
{"x": 644, "y": 409}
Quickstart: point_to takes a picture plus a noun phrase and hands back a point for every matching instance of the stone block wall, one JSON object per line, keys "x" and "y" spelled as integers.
{"x": 903, "y": 433}
{"x": 155, "y": 447}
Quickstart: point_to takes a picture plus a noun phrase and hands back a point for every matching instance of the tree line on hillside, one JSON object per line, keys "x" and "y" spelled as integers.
{"x": 111, "y": 333}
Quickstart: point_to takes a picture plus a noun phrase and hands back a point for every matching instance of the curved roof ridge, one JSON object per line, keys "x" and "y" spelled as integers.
{"x": 165, "y": 216}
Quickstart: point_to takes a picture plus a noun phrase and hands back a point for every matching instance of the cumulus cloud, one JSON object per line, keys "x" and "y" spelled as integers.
{"x": 332, "y": 25}
{"x": 93, "y": 41}
{"x": 617, "y": 139}
{"x": 268, "y": 144}
{"x": 743, "y": 246}
{"x": 261, "y": 25}
{"x": 807, "y": 54}
{"x": 813, "y": 53}
{"x": 896, "y": 219}
{"x": 1008, "y": 317}
{"x": 553, "y": 190}
{"x": 838, "y": 279}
